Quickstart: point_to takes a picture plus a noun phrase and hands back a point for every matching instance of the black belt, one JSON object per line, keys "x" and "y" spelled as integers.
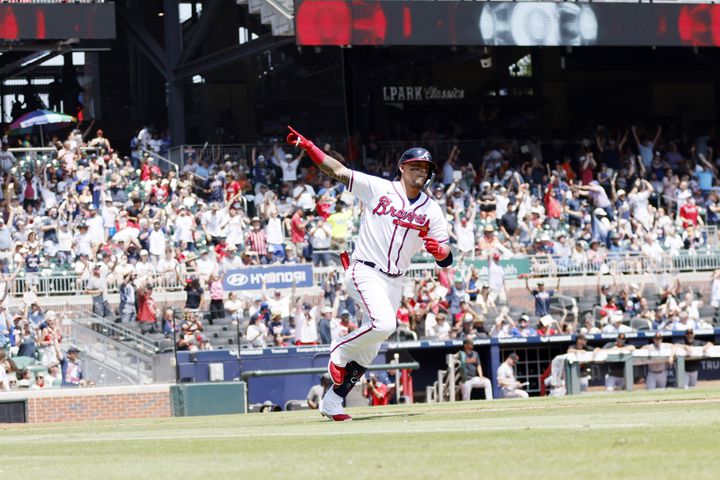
{"x": 375, "y": 267}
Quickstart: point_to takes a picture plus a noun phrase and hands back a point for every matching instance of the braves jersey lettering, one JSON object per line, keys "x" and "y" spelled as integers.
{"x": 384, "y": 207}
{"x": 381, "y": 241}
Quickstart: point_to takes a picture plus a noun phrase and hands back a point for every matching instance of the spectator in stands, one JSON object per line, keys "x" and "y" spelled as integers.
{"x": 98, "y": 289}
{"x": 306, "y": 329}
{"x": 257, "y": 332}
{"x": 441, "y": 329}
{"x": 217, "y": 297}
{"x": 128, "y": 310}
{"x": 615, "y": 378}
{"x": 320, "y": 237}
{"x": 234, "y": 308}
{"x": 509, "y": 385}
{"x": 168, "y": 322}
{"x": 147, "y": 310}
{"x": 523, "y": 329}
{"x": 542, "y": 297}
{"x": 194, "y": 294}
{"x": 50, "y": 335}
{"x": 472, "y": 373}
{"x": 70, "y": 366}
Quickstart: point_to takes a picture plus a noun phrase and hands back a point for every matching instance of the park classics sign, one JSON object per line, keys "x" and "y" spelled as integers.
{"x": 420, "y": 94}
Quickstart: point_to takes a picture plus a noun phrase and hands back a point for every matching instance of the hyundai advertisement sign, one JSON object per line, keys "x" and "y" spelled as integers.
{"x": 282, "y": 276}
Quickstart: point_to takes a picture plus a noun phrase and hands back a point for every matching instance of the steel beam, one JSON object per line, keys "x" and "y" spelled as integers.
{"x": 193, "y": 39}
{"x": 175, "y": 88}
{"x": 144, "y": 41}
{"x": 229, "y": 55}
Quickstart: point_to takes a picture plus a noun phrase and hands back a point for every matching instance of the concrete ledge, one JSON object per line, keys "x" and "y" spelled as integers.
{"x": 87, "y": 404}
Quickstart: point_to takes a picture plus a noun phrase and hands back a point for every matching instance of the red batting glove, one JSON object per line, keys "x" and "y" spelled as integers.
{"x": 437, "y": 250}
{"x": 297, "y": 140}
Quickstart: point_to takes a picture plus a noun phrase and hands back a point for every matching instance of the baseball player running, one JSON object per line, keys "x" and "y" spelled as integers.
{"x": 399, "y": 219}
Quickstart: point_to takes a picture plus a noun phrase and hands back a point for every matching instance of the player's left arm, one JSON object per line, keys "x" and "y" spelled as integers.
{"x": 436, "y": 241}
{"x": 329, "y": 165}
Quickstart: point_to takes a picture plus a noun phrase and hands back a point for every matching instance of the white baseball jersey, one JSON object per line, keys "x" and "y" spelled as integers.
{"x": 381, "y": 240}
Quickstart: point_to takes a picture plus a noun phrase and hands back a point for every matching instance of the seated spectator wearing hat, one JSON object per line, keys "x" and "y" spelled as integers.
{"x": 471, "y": 372}
{"x": 541, "y": 296}
{"x": 441, "y": 329}
{"x": 615, "y": 324}
{"x": 341, "y": 326}
{"x": 375, "y": 390}
{"x": 615, "y": 378}
{"x": 509, "y": 385}
{"x": 523, "y": 328}
{"x": 257, "y": 331}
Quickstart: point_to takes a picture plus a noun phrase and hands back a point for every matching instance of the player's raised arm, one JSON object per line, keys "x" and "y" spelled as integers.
{"x": 332, "y": 167}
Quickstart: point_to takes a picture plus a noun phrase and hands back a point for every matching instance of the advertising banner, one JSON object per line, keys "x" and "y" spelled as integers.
{"x": 281, "y": 276}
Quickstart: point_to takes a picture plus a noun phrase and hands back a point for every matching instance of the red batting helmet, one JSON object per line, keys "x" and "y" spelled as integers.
{"x": 417, "y": 154}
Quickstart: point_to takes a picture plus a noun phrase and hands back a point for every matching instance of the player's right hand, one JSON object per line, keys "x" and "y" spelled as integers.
{"x": 297, "y": 140}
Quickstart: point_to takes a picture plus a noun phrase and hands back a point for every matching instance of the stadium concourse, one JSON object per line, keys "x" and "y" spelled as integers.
{"x": 607, "y": 203}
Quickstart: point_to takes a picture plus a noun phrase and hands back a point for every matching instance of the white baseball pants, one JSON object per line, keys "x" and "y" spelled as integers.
{"x": 476, "y": 382}
{"x": 379, "y": 296}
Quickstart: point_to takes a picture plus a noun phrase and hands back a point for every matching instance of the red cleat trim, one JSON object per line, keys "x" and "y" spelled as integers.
{"x": 340, "y": 417}
{"x": 337, "y": 374}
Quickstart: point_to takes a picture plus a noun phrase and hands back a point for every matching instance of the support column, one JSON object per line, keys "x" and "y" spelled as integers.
{"x": 495, "y": 362}
{"x": 174, "y": 91}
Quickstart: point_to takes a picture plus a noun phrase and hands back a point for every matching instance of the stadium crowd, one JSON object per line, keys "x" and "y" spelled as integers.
{"x": 619, "y": 200}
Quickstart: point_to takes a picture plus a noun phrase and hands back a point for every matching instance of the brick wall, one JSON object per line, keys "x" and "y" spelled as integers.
{"x": 106, "y": 403}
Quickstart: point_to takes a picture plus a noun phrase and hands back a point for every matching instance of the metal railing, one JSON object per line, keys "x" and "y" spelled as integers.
{"x": 164, "y": 161}
{"x": 62, "y": 283}
{"x": 630, "y": 263}
{"x": 123, "y": 351}
{"x": 69, "y": 283}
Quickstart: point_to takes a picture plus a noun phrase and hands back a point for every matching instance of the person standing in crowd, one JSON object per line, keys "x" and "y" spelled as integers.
{"x": 70, "y": 366}
{"x": 98, "y": 289}
{"x": 306, "y": 331}
{"x": 472, "y": 373}
{"x": 147, "y": 310}
{"x": 194, "y": 294}
{"x": 542, "y": 297}
{"x": 217, "y": 297}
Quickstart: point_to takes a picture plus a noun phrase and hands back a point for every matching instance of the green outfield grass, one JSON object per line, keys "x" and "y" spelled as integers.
{"x": 670, "y": 434}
